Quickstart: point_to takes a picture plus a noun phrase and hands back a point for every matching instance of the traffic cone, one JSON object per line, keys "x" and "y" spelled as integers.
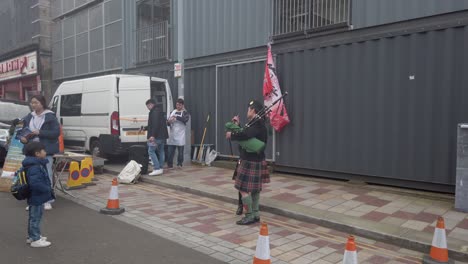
{"x": 350, "y": 254}
{"x": 113, "y": 207}
{"x": 439, "y": 250}
{"x": 87, "y": 171}
{"x": 75, "y": 181}
{"x": 262, "y": 253}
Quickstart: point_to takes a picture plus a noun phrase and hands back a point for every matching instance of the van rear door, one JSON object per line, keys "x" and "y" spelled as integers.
{"x": 133, "y": 114}
{"x": 161, "y": 93}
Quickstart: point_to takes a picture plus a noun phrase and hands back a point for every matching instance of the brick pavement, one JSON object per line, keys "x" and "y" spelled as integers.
{"x": 208, "y": 225}
{"x": 409, "y": 214}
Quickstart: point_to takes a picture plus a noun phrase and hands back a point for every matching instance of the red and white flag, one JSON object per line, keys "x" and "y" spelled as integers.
{"x": 271, "y": 92}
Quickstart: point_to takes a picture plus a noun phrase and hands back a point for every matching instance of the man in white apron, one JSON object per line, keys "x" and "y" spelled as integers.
{"x": 177, "y": 121}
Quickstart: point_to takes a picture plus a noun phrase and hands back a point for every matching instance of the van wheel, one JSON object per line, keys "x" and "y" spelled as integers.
{"x": 96, "y": 149}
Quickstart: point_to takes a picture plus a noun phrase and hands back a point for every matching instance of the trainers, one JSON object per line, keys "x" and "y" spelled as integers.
{"x": 29, "y": 240}
{"x": 179, "y": 167}
{"x": 27, "y": 208}
{"x": 40, "y": 243}
{"x": 47, "y": 206}
{"x": 156, "y": 172}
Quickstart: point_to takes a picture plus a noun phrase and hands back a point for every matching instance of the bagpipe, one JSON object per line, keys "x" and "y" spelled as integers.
{"x": 253, "y": 145}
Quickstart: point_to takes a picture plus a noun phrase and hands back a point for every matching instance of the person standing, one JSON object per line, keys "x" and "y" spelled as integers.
{"x": 177, "y": 121}
{"x": 252, "y": 170}
{"x": 44, "y": 127}
{"x": 156, "y": 135}
{"x": 40, "y": 191}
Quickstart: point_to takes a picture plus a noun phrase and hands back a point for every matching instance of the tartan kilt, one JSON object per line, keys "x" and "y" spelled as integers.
{"x": 251, "y": 175}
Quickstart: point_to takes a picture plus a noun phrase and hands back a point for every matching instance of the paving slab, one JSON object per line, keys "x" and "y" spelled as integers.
{"x": 394, "y": 215}
{"x": 208, "y": 226}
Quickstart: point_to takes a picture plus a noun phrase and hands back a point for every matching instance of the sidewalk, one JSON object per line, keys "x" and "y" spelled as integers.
{"x": 393, "y": 215}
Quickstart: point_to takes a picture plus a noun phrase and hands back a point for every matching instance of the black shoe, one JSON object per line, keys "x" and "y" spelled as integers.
{"x": 256, "y": 219}
{"x": 246, "y": 221}
{"x": 240, "y": 210}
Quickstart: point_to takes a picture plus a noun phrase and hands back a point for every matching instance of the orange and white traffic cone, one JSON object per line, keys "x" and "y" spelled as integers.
{"x": 439, "y": 250}
{"x": 262, "y": 253}
{"x": 350, "y": 254}
{"x": 113, "y": 207}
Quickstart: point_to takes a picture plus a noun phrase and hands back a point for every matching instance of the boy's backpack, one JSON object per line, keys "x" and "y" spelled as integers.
{"x": 20, "y": 188}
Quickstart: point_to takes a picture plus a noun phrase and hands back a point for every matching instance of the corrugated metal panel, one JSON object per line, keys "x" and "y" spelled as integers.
{"x": 199, "y": 89}
{"x": 366, "y": 13}
{"x": 385, "y": 108}
{"x": 217, "y": 26}
{"x": 237, "y": 85}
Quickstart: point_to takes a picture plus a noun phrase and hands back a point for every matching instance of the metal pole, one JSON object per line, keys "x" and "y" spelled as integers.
{"x": 180, "y": 87}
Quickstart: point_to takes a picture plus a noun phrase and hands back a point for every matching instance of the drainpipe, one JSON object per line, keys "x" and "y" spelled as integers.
{"x": 180, "y": 81}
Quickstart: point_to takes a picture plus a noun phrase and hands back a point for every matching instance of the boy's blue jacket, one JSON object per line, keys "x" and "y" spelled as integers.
{"x": 38, "y": 181}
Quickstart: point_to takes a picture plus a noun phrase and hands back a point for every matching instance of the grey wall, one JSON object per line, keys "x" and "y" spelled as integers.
{"x": 217, "y": 26}
{"x": 356, "y": 109}
{"x": 367, "y": 13}
{"x": 200, "y": 90}
{"x": 88, "y": 41}
{"x": 24, "y": 23}
{"x": 16, "y": 30}
{"x": 26, "y": 26}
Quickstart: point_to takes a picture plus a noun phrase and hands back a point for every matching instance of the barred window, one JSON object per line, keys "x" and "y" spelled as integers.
{"x": 292, "y": 16}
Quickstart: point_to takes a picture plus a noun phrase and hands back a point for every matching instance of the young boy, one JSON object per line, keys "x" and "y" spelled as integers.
{"x": 41, "y": 191}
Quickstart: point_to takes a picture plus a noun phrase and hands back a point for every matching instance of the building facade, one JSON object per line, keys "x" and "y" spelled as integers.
{"x": 376, "y": 87}
{"x": 25, "y": 49}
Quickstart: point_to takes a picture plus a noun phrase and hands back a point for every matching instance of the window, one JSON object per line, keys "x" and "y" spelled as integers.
{"x": 70, "y": 105}
{"x": 152, "y": 30}
{"x": 150, "y": 12}
{"x": 292, "y": 16}
{"x": 83, "y": 38}
{"x": 55, "y": 104}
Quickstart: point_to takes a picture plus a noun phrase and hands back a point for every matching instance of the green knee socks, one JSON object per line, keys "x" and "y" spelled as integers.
{"x": 247, "y": 201}
{"x": 255, "y": 204}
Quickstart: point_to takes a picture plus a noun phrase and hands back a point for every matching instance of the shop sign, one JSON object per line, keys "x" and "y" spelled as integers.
{"x": 19, "y": 66}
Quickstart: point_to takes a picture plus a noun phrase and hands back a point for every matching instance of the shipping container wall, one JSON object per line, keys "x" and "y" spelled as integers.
{"x": 222, "y": 91}
{"x": 218, "y": 26}
{"x": 237, "y": 85}
{"x": 384, "y": 108}
{"x": 200, "y": 101}
{"x": 367, "y": 13}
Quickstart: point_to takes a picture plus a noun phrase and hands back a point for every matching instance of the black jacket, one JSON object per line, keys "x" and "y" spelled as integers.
{"x": 157, "y": 126}
{"x": 257, "y": 130}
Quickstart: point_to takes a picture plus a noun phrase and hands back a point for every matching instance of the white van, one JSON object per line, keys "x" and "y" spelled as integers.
{"x": 104, "y": 114}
